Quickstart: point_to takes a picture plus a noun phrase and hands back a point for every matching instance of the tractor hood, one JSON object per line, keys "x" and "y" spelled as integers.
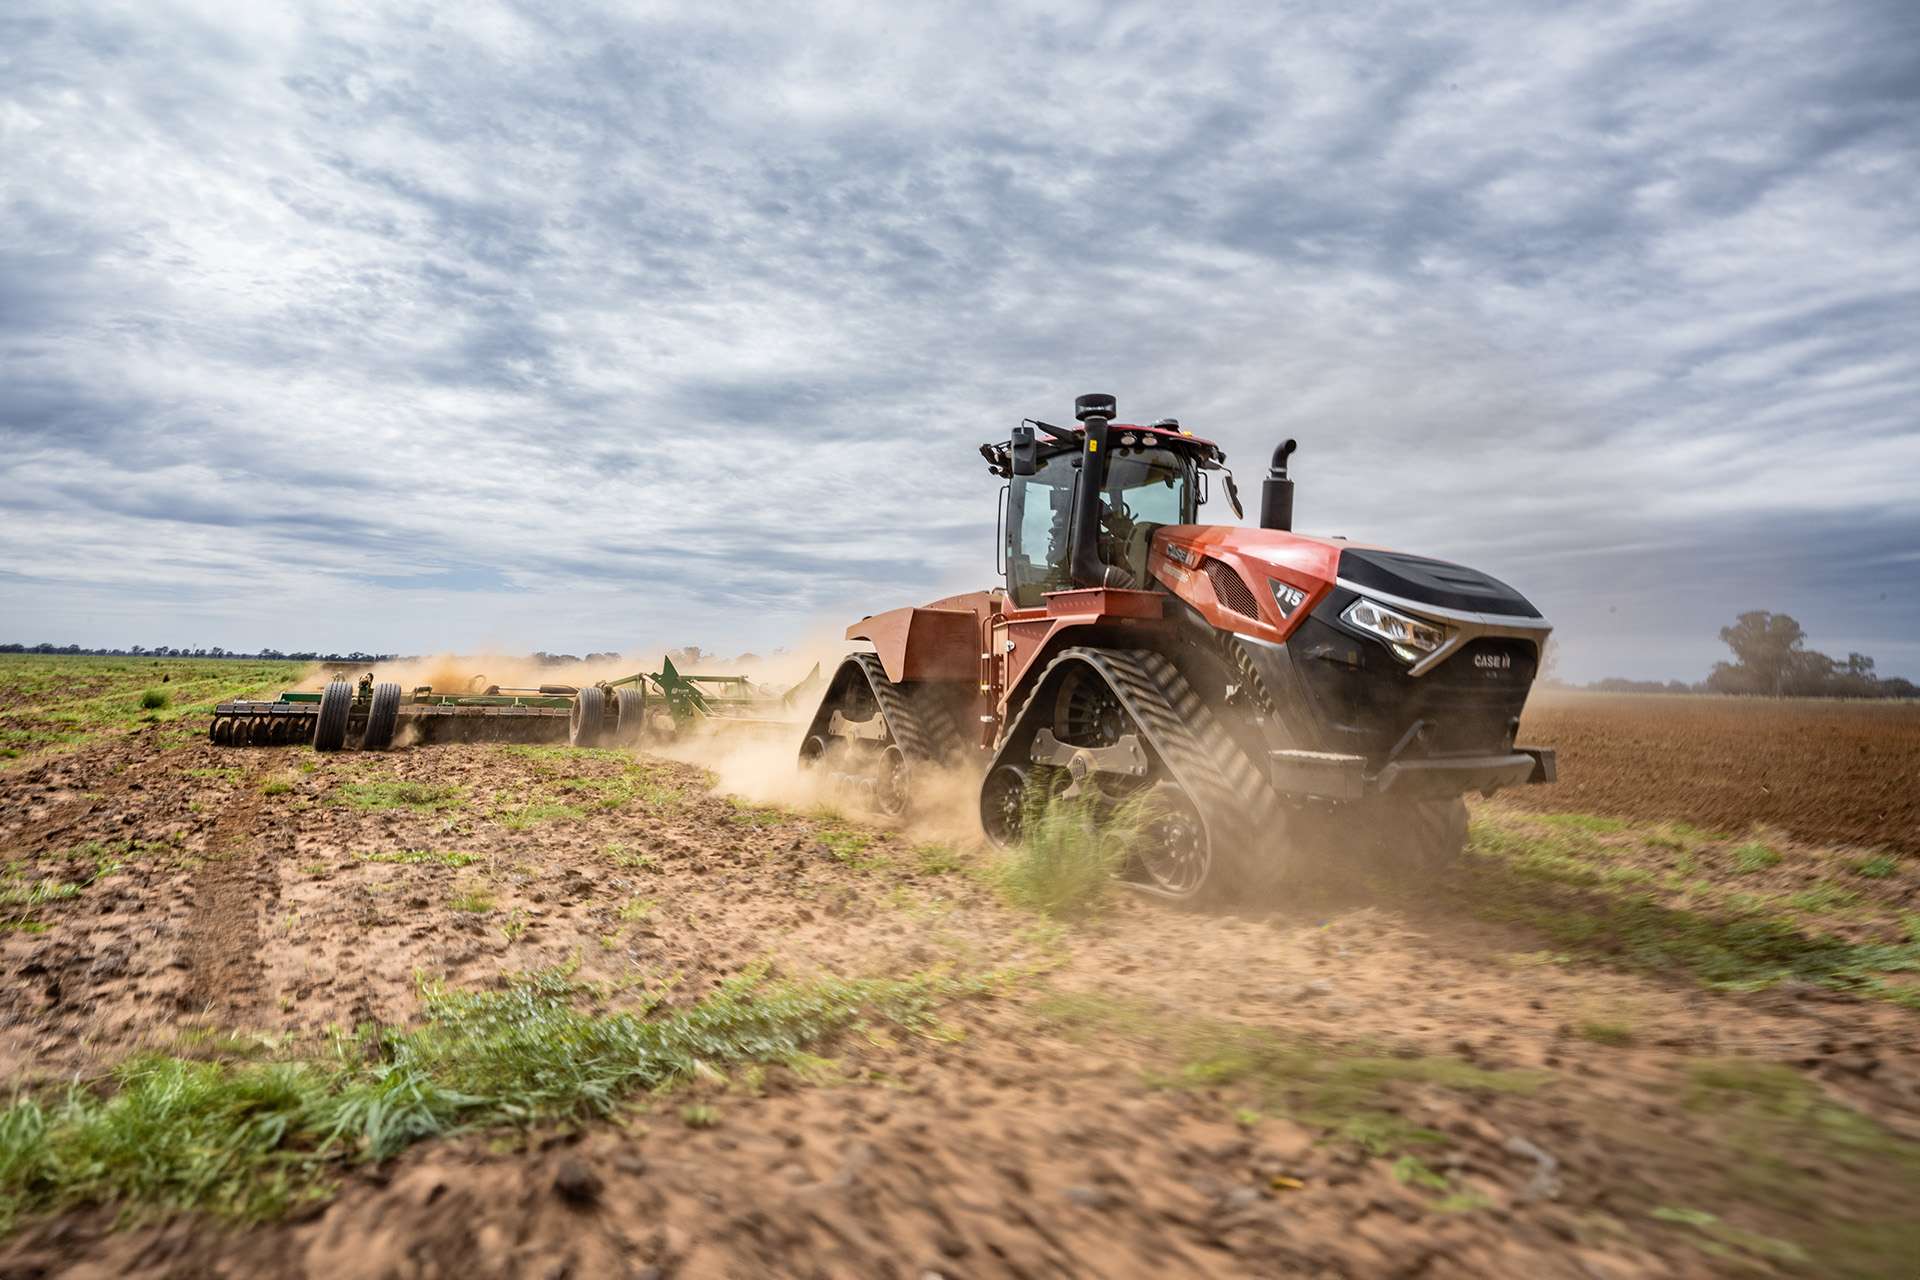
{"x": 1265, "y": 582}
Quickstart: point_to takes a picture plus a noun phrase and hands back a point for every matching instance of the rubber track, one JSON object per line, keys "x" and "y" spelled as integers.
{"x": 902, "y": 718}
{"x": 1233, "y": 800}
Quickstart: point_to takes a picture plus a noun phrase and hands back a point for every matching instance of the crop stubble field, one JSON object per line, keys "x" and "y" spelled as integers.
{"x": 490, "y": 1010}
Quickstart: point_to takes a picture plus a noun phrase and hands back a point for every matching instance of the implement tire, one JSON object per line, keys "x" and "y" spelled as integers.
{"x": 382, "y": 714}
{"x": 330, "y": 726}
{"x": 629, "y": 716}
{"x": 586, "y": 724}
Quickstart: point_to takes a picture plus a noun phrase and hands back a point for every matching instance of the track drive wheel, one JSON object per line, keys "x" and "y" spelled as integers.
{"x": 382, "y": 714}
{"x": 586, "y": 724}
{"x": 330, "y": 726}
{"x": 629, "y": 716}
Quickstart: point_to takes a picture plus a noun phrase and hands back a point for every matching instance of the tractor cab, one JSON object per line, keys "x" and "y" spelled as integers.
{"x": 1148, "y": 477}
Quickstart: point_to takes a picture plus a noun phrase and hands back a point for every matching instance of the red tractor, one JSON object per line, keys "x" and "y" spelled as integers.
{"x": 1267, "y": 694}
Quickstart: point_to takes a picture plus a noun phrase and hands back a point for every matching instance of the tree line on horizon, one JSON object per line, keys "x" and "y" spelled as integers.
{"x": 1770, "y": 659}
{"x": 687, "y": 657}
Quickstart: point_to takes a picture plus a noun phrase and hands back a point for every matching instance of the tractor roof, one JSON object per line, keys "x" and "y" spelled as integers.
{"x": 1173, "y": 437}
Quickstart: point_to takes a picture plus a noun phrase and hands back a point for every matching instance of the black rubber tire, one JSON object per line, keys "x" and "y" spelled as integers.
{"x": 629, "y": 716}
{"x": 586, "y": 723}
{"x": 383, "y": 713}
{"x": 330, "y": 726}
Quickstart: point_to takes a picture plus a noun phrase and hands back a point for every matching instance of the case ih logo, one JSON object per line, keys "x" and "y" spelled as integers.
{"x": 1493, "y": 661}
{"x": 1184, "y": 556}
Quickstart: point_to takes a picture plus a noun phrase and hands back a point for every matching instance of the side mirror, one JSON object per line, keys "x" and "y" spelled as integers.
{"x": 1025, "y": 451}
{"x": 1233, "y": 495}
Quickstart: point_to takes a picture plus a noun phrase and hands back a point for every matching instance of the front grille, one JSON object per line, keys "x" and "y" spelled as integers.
{"x": 1231, "y": 589}
{"x": 1366, "y": 701}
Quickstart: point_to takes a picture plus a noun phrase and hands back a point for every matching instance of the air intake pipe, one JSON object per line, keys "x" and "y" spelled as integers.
{"x": 1276, "y": 495}
{"x": 1083, "y": 555}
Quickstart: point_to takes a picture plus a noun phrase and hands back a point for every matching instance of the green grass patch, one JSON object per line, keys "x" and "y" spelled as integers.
{"x": 1564, "y": 883}
{"x": 1592, "y": 824}
{"x": 251, "y": 1139}
{"x": 1838, "y": 1180}
{"x": 1350, "y": 1091}
{"x": 636, "y": 909}
{"x": 60, "y": 701}
{"x": 473, "y": 901}
{"x": 1068, "y": 854}
{"x": 522, "y": 816}
{"x": 397, "y": 794}
{"x": 1617, "y": 1035}
{"x": 938, "y": 859}
{"x": 1879, "y": 867}
{"x": 1755, "y": 856}
{"x": 276, "y": 786}
{"x": 419, "y": 857}
{"x": 756, "y": 816}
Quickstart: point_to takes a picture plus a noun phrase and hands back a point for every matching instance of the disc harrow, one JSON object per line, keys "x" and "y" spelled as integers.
{"x": 647, "y": 706}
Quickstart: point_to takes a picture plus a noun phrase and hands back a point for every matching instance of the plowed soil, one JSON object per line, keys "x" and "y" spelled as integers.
{"x": 1381, "y": 1083}
{"x": 1827, "y": 771}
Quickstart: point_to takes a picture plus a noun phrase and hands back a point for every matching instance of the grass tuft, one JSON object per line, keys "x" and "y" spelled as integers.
{"x": 392, "y": 794}
{"x": 1069, "y": 853}
{"x": 250, "y": 1139}
{"x": 416, "y": 857}
{"x": 154, "y": 700}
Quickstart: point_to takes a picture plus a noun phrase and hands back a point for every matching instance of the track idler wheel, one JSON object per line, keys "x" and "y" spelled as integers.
{"x": 892, "y": 782}
{"x": 1172, "y": 852}
{"x": 330, "y": 726}
{"x": 1003, "y": 805}
{"x": 586, "y": 724}
{"x": 383, "y": 713}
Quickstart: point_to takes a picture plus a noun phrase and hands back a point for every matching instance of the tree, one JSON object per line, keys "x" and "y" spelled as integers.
{"x": 1768, "y": 646}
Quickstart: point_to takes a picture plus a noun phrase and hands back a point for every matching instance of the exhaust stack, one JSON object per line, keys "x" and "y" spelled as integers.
{"x": 1083, "y": 555}
{"x": 1276, "y": 494}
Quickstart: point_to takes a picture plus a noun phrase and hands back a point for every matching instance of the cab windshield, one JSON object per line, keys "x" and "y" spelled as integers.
{"x": 1146, "y": 488}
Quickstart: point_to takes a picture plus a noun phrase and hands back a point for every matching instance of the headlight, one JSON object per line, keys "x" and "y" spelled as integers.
{"x": 1409, "y": 638}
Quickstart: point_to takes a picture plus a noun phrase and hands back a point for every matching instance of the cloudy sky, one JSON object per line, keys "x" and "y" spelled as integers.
{"x": 591, "y": 327}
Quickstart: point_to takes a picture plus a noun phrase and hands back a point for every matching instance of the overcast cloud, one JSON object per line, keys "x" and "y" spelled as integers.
{"x": 397, "y": 327}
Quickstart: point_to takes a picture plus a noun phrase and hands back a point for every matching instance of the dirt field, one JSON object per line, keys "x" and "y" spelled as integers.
{"x": 503, "y": 1011}
{"x": 1825, "y": 770}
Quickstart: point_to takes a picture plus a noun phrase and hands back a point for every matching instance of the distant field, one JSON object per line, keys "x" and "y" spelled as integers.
{"x": 1828, "y": 771}
{"x": 49, "y": 702}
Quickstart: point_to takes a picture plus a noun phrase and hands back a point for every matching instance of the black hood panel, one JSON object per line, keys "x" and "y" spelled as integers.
{"x": 1435, "y": 582}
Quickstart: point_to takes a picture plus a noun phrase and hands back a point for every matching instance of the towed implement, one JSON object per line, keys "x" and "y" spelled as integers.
{"x": 1261, "y": 695}
{"x": 645, "y": 707}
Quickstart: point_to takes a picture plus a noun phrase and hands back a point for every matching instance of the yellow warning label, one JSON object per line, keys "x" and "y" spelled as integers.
{"x": 1093, "y": 446}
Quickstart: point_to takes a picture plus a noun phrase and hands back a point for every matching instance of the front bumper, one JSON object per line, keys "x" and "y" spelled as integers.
{"x": 1329, "y": 775}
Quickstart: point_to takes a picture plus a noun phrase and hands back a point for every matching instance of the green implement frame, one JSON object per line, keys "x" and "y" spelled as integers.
{"x": 646, "y": 706}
